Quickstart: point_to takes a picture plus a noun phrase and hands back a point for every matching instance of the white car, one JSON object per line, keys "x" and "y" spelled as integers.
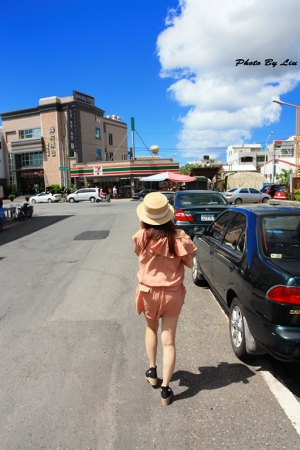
{"x": 45, "y": 197}
{"x": 245, "y": 195}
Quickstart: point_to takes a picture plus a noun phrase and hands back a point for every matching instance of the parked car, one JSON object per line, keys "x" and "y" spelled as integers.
{"x": 83, "y": 194}
{"x": 169, "y": 195}
{"x": 141, "y": 194}
{"x": 250, "y": 256}
{"x": 280, "y": 195}
{"x": 197, "y": 208}
{"x": 271, "y": 189}
{"x": 245, "y": 195}
{"x": 45, "y": 197}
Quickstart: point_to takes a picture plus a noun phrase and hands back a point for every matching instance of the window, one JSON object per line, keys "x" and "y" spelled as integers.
{"x": 246, "y": 159}
{"x": 111, "y": 156}
{"x": 124, "y": 157}
{"x": 235, "y": 236}
{"x": 281, "y": 236}
{"x": 218, "y": 228}
{"x": 98, "y": 153}
{"x": 32, "y": 159}
{"x": 32, "y": 133}
{"x": 110, "y": 139}
{"x": 97, "y": 133}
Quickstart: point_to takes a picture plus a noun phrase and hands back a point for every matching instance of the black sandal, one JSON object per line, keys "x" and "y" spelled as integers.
{"x": 166, "y": 395}
{"x": 151, "y": 376}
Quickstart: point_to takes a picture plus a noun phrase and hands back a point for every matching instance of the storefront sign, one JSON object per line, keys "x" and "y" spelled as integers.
{"x": 32, "y": 173}
{"x": 98, "y": 171}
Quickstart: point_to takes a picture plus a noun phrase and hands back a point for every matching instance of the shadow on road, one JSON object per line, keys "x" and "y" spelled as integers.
{"x": 16, "y": 230}
{"x": 211, "y": 377}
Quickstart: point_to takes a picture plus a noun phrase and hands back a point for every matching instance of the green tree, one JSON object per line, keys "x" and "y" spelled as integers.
{"x": 283, "y": 177}
{"x": 187, "y": 168}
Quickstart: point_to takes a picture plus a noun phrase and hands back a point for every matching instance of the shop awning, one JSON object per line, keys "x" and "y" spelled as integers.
{"x": 176, "y": 177}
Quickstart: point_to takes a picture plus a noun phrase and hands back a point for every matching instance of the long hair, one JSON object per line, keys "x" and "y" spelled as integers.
{"x": 167, "y": 230}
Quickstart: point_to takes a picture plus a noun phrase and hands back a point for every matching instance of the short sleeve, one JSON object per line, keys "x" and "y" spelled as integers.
{"x": 185, "y": 247}
{"x": 138, "y": 238}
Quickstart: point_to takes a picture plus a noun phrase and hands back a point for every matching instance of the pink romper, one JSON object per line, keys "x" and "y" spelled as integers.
{"x": 160, "y": 291}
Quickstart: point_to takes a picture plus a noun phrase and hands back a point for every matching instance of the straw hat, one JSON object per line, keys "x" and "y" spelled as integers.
{"x": 155, "y": 209}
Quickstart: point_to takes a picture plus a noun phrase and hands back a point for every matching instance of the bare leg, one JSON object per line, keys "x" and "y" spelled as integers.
{"x": 168, "y": 332}
{"x": 151, "y": 341}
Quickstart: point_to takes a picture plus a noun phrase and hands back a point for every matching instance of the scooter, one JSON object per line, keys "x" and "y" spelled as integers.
{"x": 104, "y": 198}
{"x": 25, "y": 211}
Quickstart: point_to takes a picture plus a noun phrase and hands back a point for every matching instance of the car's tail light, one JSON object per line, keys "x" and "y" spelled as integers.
{"x": 285, "y": 294}
{"x": 269, "y": 191}
{"x": 228, "y": 195}
{"x": 182, "y": 216}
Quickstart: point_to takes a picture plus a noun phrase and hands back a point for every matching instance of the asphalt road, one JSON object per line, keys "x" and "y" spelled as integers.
{"x": 72, "y": 349}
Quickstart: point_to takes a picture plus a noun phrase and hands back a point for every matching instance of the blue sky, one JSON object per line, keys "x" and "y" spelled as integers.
{"x": 170, "y": 64}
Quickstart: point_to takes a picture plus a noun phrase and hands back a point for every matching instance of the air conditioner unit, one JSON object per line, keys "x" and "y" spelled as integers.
{"x": 114, "y": 117}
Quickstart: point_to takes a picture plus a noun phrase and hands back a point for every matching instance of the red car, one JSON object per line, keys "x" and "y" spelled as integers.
{"x": 279, "y": 195}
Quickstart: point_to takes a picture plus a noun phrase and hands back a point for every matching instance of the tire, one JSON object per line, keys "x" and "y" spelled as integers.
{"x": 237, "y": 330}
{"x": 21, "y": 216}
{"x": 33, "y": 201}
{"x": 92, "y": 199}
{"x": 141, "y": 199}
{"x": 72, "y": 200}
{"x": 108, "y": 200}
{"x": 265, "y": 200}
{"x": 238, "y": 201}
{"x": 49, "y": 200}
{"x": 197, "y": 276}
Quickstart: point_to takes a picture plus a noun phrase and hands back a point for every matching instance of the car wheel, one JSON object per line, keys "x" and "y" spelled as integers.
{"x": 265, "y": 200}
{"x": 197, "y": 276}
{"x": 141, "y": 199}
{"x": 32, "y": 201}
{"x": 237, "y": 330}
{"x": 72, "y": 200}
{"x": 49, "y": 200}
{"x": 92, "y": 199}
{"x": 238, "y": 201}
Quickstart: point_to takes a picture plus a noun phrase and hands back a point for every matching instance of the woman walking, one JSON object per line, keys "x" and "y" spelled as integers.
{"x": 163, "y": 252}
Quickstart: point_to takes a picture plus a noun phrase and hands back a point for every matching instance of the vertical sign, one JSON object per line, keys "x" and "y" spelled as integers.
{"x": 72, "y": 129}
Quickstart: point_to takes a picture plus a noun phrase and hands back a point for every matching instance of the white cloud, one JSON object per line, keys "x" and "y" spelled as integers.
{"x": 199, "y": 48}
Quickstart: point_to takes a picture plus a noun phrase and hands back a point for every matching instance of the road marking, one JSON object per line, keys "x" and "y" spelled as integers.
{"x": 285, "y": 398}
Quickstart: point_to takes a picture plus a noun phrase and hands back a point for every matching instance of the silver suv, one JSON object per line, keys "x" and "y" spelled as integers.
{"x": 90, "y": 194}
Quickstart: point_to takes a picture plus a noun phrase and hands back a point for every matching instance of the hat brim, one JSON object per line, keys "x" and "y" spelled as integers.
{"x": 142, "y": 216}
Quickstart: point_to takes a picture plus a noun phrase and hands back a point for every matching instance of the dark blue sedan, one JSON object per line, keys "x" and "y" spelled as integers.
{"x": 250, "y": 256}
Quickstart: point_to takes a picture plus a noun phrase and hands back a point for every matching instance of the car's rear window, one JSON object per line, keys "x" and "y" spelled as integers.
{"x": 195, "y": 199}
{"x": 281, "y": 236}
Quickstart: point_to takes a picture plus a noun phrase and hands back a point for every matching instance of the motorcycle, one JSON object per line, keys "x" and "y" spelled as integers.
{"x": 24, "y": 212}
{"x": 103, "y": 198}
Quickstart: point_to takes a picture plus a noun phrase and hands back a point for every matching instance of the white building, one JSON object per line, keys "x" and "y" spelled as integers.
{"x": 280, "y": 155}
{"x": 245, "y": 157}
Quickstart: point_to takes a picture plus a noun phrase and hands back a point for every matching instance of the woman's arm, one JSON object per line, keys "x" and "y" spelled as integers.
{"x": 137, "y": 250}
{"x": 189, "y": 261}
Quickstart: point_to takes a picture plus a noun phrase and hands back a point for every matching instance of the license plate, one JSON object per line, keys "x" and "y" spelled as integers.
{"x": 207, "y": 217}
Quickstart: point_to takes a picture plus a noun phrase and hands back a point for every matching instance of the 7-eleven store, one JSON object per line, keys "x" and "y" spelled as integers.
{"x": 124, "y": 175}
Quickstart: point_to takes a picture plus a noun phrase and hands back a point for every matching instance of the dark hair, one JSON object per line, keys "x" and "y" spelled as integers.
{"x": 167, "y": 230}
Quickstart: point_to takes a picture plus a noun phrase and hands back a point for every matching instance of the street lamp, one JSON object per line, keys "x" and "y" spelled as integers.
{"x": 272, "y": 132}
{"x": 296, "y": 135}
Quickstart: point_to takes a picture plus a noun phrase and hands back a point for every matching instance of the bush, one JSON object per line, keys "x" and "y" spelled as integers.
{"x": 297, "y": 195}
{"x": 55, "y": 189}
